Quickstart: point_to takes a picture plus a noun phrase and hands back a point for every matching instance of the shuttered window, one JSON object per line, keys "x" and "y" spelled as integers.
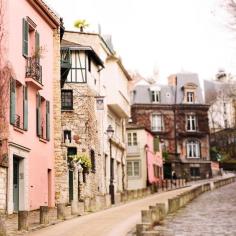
{"x": 48, "y": 120}
{"x": 38, "y": 115}
{"x": 12, "y": 101}
{"x": 25, "y": 107}
{"x": 25, "y": 38}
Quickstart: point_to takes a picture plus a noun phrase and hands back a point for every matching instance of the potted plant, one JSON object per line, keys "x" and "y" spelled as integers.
{"x": 82, "y": 159}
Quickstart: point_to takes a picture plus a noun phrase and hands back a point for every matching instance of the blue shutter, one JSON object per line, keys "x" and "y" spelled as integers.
{"x": 25, "y": 37}
{"x": 48, "y": 120}
{"x": 25, "y": 107}
{"x": 12, "y": 101}
{"x": 38, "y": 115}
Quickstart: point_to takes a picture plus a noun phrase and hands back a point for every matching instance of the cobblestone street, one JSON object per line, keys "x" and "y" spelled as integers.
{"x": 212, "y": 214}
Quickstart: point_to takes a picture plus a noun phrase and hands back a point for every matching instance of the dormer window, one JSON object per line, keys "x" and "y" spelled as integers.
{"x": 155, "y": 96}
{"x": 189, "y": 93}
{"x": 190, "y": 97}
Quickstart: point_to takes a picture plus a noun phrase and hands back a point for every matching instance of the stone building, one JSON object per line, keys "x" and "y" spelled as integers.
{"x": 177, "y": 114}
{"x": 94, "y": 95}
{"x": 30, "y": 68}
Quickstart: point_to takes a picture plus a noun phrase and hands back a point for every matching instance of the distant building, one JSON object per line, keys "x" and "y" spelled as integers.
{"x": 178, "y": 115}
{"x": 144, "y": 158}
{"x": 221, "y": 96}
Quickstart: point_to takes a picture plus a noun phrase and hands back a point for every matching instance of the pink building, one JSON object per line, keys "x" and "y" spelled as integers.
{"x": 144, "y": 158}
{"x": 30, "y": 40}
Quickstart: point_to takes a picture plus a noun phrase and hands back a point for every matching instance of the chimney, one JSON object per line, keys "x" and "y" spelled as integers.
{"x": 172, "y": 80}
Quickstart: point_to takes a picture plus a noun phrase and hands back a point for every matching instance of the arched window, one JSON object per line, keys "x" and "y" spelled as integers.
{"x": 193, "y": 149}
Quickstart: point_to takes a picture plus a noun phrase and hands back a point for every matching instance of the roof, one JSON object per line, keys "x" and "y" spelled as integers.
{"x": 52, "y": 18}
{"x": 79, "y": 47}
{"x": 110, "y": 50}
{"x": 142, "y": 91}
{"x": 184, "y": 79}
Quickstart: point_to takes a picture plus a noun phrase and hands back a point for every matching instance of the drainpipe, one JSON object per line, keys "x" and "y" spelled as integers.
{"x": 146, "y": 152}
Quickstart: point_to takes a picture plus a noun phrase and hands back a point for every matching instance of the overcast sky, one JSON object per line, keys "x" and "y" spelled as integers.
{"x": 165, "y": 35}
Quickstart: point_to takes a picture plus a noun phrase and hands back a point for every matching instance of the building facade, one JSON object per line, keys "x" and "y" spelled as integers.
{"x": 28, "y": 124}
{"x": 94, "y": 96}
{"x": 220, "y": 95}
{"x": 177, "y": 114}
{"x": 144, "y": 158}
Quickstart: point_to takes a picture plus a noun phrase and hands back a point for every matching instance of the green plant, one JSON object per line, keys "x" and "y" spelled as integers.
{"x": 83, "y": 159}
{"x": 81, "y": 24}
{"x": 165, "y": 155}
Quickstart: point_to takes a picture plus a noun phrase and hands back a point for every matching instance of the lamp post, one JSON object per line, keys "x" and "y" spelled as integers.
{"x": 110, "y": 133}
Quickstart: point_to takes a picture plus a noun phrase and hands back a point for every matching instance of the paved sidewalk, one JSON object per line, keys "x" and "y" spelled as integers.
{"x": 116, "y": 221}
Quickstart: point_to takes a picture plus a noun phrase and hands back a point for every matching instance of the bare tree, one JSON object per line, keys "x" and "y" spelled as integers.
{"x": 5, "y": 75}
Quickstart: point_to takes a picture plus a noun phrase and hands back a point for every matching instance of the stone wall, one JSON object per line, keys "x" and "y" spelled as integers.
{"x": 3, "y": 182}
{"x": 61, "y": 182}
{"x": 82, "y": 122}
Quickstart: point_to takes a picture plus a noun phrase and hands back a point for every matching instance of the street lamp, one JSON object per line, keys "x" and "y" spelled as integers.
{"x": 110, "y": 133}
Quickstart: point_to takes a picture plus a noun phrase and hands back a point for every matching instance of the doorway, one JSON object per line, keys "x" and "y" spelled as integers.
{"x": 15, "y": 184}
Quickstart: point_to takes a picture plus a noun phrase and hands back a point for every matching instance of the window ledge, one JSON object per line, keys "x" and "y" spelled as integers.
{"x": 43, "y": 140}
{"x": 65, "y": 110}
{"x": 18, "y": 129}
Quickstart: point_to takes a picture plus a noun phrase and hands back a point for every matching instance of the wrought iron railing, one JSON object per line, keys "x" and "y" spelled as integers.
{"x": 18, "y": 122}
{"x": 34, "y": 69}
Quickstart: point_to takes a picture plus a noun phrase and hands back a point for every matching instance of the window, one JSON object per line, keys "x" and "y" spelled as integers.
{"x": 191, "y": 123}
{"x": 132, "y": 139}
{"x": 195, "y": 171}
{"x": 67, "y": 100}
{"x": 155, "y": 96}
{"x": 42, "y": 117}
{"x": 190, "y": 97}
{"x": 193, "y": 149}
{"x": 77, "y": 73}
{"x": 92, "y": 158}
{"x": 157, "y": 122}
{"x": 133, "y": 168}
{"x": 67, "y": 135}
{"x": 30, "y": 38}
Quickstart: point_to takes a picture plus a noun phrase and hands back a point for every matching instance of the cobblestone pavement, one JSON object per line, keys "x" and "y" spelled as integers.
{"x": 211, "y": 214}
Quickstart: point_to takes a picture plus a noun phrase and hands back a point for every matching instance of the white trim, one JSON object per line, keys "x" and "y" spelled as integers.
{"x": 22, "y": 153}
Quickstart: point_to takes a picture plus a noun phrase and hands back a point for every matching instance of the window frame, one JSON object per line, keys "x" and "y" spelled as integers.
{"x": 155, "y": 95}
{"x": 190, "y": 99}
{"x": 193, "y": 146}
{"x": 191, "y": 121}
{"x": 132, "y": 139}
{"x": 132, "y": 162}
{"x": 159, "y": 128}
{"x": 63, "y": 107}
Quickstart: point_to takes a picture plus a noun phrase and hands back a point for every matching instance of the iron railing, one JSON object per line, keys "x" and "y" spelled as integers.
{"x": 18, "y": 122}
{"x": 34, "y": 69}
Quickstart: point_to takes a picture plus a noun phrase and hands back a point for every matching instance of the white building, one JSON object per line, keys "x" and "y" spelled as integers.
{"x": 113, "y": 110}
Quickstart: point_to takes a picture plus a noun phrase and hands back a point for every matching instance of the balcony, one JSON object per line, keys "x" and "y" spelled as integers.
{"x": 18, "y": 124}
{"x": 133, "y": 150}
{"x": 157, "y": 129}
{"x": 33, "y": 72}
{"x": 65, "y": 64}
{"x": 119, "y": 104}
